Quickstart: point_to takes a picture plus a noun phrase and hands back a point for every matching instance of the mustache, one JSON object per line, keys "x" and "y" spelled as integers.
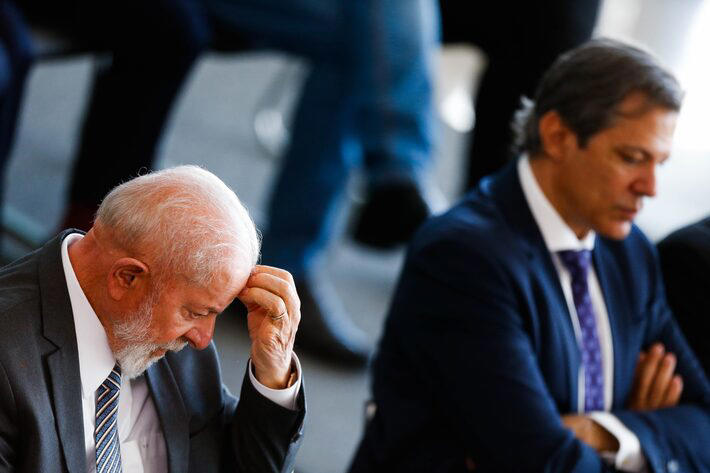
{"x": 175, "y": 345}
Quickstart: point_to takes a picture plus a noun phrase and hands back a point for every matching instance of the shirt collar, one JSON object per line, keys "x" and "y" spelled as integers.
{"x": 96, "y": 359}
{"x": 557, "y": 234}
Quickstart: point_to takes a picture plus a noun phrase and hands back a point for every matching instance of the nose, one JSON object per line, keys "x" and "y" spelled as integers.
{"x": 645, "y": 184}
{"x": 200, "y": 334}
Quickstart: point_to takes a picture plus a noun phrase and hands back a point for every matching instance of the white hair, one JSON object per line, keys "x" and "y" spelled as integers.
{"x": 194, "y": 222}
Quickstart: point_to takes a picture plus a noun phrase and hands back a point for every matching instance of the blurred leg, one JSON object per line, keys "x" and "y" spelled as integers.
{"x": 307, "y": 191}
{"x": 15, "y": 61}
{"x": 323, "y": 148}
{"x": 153, "y": 46}
{"x": 315, "y": 166}
{"x": 521, "y": 42}
{"x": 395, "y": 45}
{"x": 395, "y": 115}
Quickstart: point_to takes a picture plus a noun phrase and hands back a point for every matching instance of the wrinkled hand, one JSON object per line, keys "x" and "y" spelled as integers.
{"x": 591, "y": 433}
{"x": 655, "y": 386}
{"x": 274, "y": 312}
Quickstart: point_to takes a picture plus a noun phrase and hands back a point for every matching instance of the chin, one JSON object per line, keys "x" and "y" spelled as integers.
{"x": 615, "y": 230}
{"x": 137, "y": 358}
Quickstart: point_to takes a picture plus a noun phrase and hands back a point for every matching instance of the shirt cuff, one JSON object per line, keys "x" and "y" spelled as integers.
{"x": 630, "y": 457}
{"x": 283, "y": 397}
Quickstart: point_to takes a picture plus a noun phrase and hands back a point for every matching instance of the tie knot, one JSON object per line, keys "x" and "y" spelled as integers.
{"x": 113, "y": 382}
{"x": 577, "y": 262}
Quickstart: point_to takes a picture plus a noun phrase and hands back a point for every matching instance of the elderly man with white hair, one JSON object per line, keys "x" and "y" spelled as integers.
{"x": 93, "y": 374}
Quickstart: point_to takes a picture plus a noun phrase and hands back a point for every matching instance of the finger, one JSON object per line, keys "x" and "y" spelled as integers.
{"x": 278, "y": 272}
{"x": 278, "y": 286}
{"x": 567, "y": 421}
{"x": 661, "y": 381}
{"x": 675, "y": 389}
{"x": 637, "y": 372}
{"x": 647, "y": 372}
{"x": 272, "y": 304}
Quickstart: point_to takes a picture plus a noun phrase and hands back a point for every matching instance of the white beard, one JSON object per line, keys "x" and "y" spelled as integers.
{"x": 137, "y": 352}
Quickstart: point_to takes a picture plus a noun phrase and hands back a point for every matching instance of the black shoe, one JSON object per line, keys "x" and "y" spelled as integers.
{"x": 325, "y": 329}
{"x": 391, "y": 215}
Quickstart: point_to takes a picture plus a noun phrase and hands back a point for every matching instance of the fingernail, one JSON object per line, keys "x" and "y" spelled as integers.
{"x": 678, "y": 380}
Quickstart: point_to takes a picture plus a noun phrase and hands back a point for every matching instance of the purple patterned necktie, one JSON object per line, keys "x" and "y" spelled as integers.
{"x": 577, "y": 262}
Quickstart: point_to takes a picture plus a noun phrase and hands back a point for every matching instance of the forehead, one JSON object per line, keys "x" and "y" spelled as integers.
{"x": 218, "y": 293}
{"x": 642, "y": 124}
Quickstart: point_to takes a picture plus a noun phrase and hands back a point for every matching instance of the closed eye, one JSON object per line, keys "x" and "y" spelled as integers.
{"x": 632, "y": 156}
{"x": 191, "y": 314}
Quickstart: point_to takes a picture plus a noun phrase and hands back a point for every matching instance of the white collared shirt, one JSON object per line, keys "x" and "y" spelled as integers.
{"x": 558, "y": 236}
{"x": 141, "y": 435}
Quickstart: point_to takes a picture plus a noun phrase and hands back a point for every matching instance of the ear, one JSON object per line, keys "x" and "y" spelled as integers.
{"x": 556, "y": 137}
{"x": 127, "y": 275}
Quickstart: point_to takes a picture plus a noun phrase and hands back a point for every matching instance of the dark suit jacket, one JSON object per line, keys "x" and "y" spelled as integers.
{"x": 479, "y": 357}
{"x": 685, "y": 263}
{"x": 41, "y": 426}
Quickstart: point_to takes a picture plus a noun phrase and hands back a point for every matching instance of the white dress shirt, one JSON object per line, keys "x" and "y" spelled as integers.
{"x": 141, "y": 435}
{"x": 558, "y": 236}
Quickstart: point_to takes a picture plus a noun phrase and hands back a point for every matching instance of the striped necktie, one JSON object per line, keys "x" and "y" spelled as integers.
{"x": 577, "y": 262}
{"x": 108, "y": 449}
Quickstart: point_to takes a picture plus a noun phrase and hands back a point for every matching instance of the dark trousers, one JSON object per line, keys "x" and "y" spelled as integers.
{"x": 520, "y": 40}
{"x": 152, "y": 46}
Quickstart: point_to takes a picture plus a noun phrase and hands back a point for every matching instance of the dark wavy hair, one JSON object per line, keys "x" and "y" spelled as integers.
{"x": 586, "y": 84}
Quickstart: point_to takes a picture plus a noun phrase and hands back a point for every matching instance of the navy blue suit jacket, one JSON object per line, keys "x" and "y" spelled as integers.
{"x": 479, "y": 358}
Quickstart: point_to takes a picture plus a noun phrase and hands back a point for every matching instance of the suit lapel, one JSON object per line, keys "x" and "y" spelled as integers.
{"x": 171, "y": 411}
{"x": 504, "y": 188}
{"x": 63, "y": 364}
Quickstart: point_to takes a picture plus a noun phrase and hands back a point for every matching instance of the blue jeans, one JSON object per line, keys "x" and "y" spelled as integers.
{"x": 369, "y": 94}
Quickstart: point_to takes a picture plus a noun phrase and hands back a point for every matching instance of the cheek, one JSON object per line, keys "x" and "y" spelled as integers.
{"x": 166, "y": 328}
{"x": 605, "y": 184}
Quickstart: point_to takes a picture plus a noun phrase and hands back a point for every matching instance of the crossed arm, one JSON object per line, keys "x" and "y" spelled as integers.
{"x": 656, "y": 386}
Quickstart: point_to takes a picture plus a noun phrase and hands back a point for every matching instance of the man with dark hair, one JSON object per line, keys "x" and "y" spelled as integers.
{"x": 529, "y": 330}
{"x": 685, "y": 262}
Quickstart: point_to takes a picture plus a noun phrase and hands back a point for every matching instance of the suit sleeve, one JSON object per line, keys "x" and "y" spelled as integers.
{"x": 7, "y": 424}
{"x": 265, "y": 435}
{"x": 674, "y": 439}
{"x": 226, "y": 434}
{"x": 469, "y": 333}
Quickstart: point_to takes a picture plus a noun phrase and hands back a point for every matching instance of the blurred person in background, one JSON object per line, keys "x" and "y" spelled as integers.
{"x": 367, "y": 101}
{"x": 685, "y": 261}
